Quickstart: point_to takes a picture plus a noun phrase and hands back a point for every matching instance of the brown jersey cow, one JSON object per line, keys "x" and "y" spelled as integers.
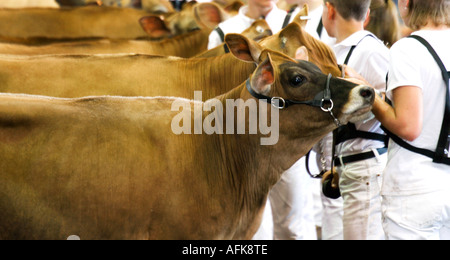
{"x": 38, "y": 25}
{"x": 185, "y": 46}
{"x": 112, "y": 167}
{"x": 129, "y": 75}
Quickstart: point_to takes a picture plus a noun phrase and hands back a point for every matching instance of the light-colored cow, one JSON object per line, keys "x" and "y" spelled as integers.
{"x": 192, "y": 17}
{"x": 111, "y": 168}
{"x": 129, "y": 75}
{"x": 185, "y": 45}
{"x": 38, "y": 25}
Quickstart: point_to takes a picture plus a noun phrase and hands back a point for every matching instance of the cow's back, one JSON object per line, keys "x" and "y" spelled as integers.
{"x": 121, "y": 75}
{"x": 47, "y": 24}
{"x": 81, "y": 75}
{"x": 182, "y": 46}
{"x": 98, "y": 168}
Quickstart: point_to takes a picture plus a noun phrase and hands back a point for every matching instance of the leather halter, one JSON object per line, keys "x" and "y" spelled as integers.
{"x": 322, "y": 100}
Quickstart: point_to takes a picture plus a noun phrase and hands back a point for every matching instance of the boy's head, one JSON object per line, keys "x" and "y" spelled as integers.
{"x": 350, "y": 9}
{"x": 343, "y": 10}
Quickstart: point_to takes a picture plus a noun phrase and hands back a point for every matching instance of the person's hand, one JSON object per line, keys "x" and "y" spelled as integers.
{"x": 330, "y": 185}
{"x": 351, "y": 75}
{"x": 335, "y": 178}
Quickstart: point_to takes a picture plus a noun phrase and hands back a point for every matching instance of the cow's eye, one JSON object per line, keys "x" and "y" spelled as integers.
{"x": 297, "y": 80}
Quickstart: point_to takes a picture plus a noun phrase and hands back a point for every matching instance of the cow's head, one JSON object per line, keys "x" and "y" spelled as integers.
{"x": 292, "y": 37}
{"x": 259, "y": 30}
{"x": 192, "y": 17}
{"x": 285, "y": 79}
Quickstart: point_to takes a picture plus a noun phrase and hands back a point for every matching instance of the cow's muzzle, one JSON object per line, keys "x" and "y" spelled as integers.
{"x": 359, "y": 104}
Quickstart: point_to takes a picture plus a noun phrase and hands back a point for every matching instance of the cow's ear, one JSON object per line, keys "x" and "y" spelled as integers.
{"x": 292, "y": 30}
{"x": 154, "y": 26}
{"x": 263, "y": 77}
{"x": 243, "y": 48}
{"x": 189, "y": 5}
{"x": 209, "y": 15}
{"x": 302, "y": 54}
{"x": 302, "y": 17}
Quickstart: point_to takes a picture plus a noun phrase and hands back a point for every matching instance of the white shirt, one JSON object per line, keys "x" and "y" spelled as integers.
{"x": 409, "y": 173}
{"x": 371, "y": 60}
{"x": 241, "y": 22}
{"x": 312, "y": 25}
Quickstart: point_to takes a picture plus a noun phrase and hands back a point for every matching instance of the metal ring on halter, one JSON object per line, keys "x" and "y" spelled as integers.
{"x": 280, "y": 101}
{"x": 329, "y": 108}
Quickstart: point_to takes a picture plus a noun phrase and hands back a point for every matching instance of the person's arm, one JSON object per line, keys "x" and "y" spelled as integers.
{"x": 405, "y": 119}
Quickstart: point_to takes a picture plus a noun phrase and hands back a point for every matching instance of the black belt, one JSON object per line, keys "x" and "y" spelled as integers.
{"x": 359, "y": 157}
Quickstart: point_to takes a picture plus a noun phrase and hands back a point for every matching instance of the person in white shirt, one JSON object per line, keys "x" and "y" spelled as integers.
{"x": 360, "y": 159}
{"x": 416, "y": 195}
{"x": 256, "y": 9}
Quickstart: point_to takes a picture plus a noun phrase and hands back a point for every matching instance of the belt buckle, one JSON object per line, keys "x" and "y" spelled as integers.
{"x": 341, "y": 161}
{"x": 377, "y": 154}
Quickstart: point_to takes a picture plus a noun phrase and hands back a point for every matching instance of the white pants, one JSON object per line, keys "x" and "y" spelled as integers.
{"x": 360, "y": 185}
{"x": 292, "y": 207}
{"x": 417, "y": 217}
{"x": 332, "y": 227}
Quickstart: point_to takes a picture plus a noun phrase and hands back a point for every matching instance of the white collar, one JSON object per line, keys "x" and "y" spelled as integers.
{"x": 354, "y": 39}
{"x": 243, "y": 14}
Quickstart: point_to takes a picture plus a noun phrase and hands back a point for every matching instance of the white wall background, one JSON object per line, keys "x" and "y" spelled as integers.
{"x": 28, "y": 3}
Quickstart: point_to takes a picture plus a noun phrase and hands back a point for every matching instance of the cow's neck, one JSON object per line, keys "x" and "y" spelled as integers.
{"x": 287, "y": 151}
{"x": 253, "y": 169}
{"x": 218, "y": 75}
{"x": 192, "y": 43}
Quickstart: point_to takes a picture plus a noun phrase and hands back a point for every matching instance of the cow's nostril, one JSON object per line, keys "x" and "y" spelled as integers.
{"x": 366, "y": 93}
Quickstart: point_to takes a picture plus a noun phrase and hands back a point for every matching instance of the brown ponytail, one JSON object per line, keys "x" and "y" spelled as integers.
{"x": 384, "y": 21}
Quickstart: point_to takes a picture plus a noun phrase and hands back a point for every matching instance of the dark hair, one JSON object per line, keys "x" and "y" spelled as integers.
{"x": 384, "y": 21}
{"x": 351, "y": 9}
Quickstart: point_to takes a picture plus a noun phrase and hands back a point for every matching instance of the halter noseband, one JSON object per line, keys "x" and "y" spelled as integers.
{"x": 322, "y": 100}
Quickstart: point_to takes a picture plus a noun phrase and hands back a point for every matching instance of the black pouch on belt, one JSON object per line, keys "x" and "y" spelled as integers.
{"x": 328, "y": 190}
